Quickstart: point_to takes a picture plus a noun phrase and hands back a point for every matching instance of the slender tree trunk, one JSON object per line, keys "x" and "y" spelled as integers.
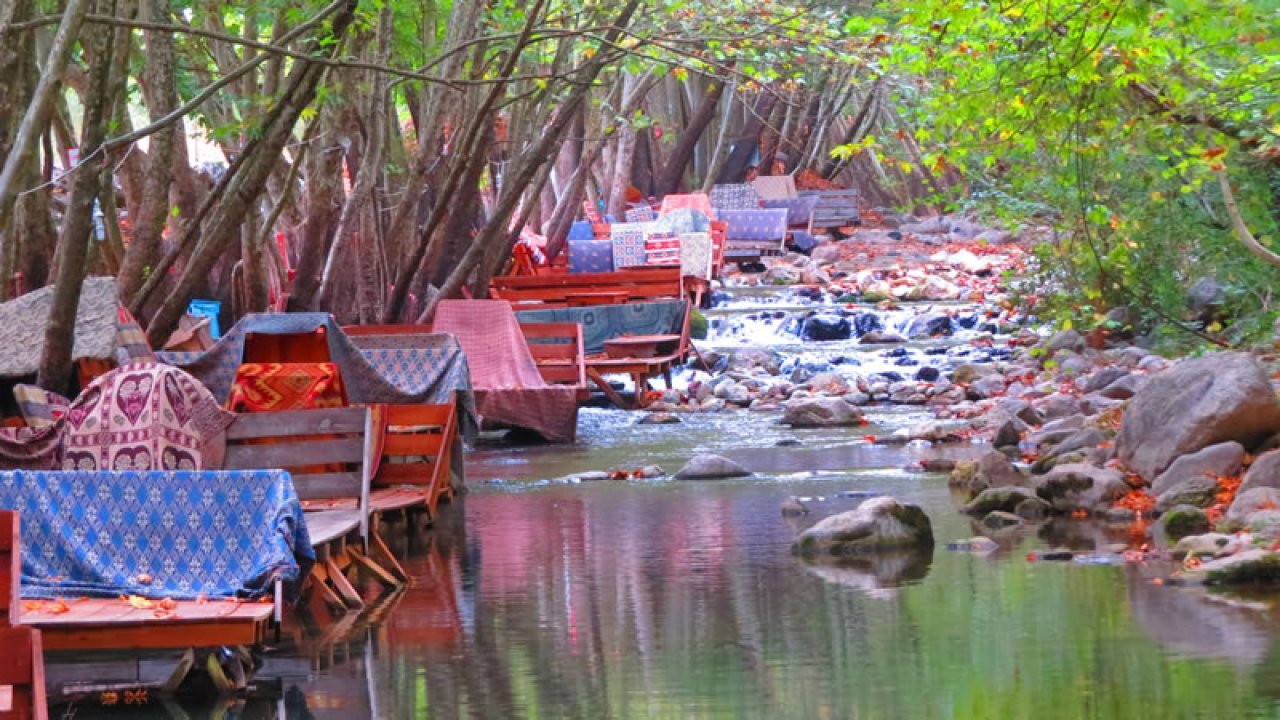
{"x": 735, "y": 168}
{"x": 160, "y": 91}
{"x": 73, "y": 247}
{"x": 857, "y": 128}
{"x": 669, "y": 180}
{"x": 718, "y": 155}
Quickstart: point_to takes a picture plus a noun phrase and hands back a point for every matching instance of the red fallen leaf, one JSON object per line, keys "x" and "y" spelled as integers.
{"x": 32, "y": 605}
{"x": 168, "y": 604}
{"x": 863, "y": 421}
{"x": 1157, "y": 581}
{"x": 869, "y": 438}
{"x": 1032, "y": 557}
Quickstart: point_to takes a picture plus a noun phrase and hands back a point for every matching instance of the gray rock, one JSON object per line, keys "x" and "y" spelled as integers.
{"x": 928, "y": 325}
{"x": 1184, "y": 520}
{"x": 1077, "y": 486}
{"x": 711, "y": 467}
{"x": 1033, "y": 509}
{"x": 793, "y": 507}
{"x": 1205, "y": 295}
{"x": 1251, "y": 567}
{"x": 1010, "y": 433}
{"x": 658, "y": 418}
{"x": 999, "y": 519}
{"x": 985, "y": 387}
{"x": 828, "y": 382}
{"x": 878, "y": 337}
{"x": 969, "y": 372}
{"x": 1124, "y": 388}
{"x": 995, "y": 470}
{"x": 1207, "y": 545}
{"x": 752, "y": 358}
{"x": 738, "y": 395}
{"x": 1082, "y": 439}
{"x": 825, "y": 327}
{"x": 880, "y": 523}
{"x": 1221, "y": 460}
{"x": 1251, "y": 501}
{"x": 816, "y": 412}
{"x": 1195, "y": 491}
{"x": 1065, "y": 340}
{"x": 1265, "y": 472}
{"x": 1197, "y": 403}
{"x": 1005, "y": 499}
{"x": 1072, "y": 364}
{"x": 1264, "y": 524}
{"x": 1055, "y": 407}
{"x": 1104, "y": 377}
{"x": 1056, "y": 431}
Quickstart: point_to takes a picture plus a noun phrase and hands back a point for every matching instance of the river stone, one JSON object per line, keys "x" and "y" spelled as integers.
{"x": 1221, "y": 460}
{"x": 711, "y": 467}
{"x": 977, "y": 544}
{"x": 1264, "y": 524}
{"x": 880, "y": 523}
{"x": 814, "y": 412}
{"x": 880, "y": 337}
{"x": 867, "y": 322}
{"x": 739, "y": 395}
{"x": 963, "y": 473}
{"x": 969, "y": 372}
{"x": 752, "y": 358}
{"x": 1124, "y": 388}
{"x": 1065, "y": 340}
{"x": 986, "y": 386}
{"x": 1184, "y": 520}
{"x": 1005, "y": 498}
{"x": 1054, "y": 432}
{"x": 1251, "y": 501}
{"x": 792, "y": 507}
{"x": 995, "y": 470}
{"x": 828, "y": 382}
{"x": 1083, "y": 439}
{"x": 1265, "y": 472}
{"x": 1197, "y": 403}
{"x": 1033, "y": 509}
{"x": 1077, "y": 486}
{"x": 827, "y": 327}
{"x": 1055, "y": 407}
{"x": 658, "y": 418}
{"x": 1251, "y": 567}
{"x": 928, "y": 325}
{"x": 999, "y": 519}
{"x": 1010, "y": 433}
{"x": 1196, "y": 491}
{"x": 1207, "y": 545}
{"x": 1104, "y": 377}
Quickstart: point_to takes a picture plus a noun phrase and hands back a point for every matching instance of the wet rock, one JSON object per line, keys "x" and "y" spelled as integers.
{"x": 1206, "y": 545}
{"x": 1104, "y": 377}
{"x": 1033, "y": 509}
{"x": 857, "y": 399}
{"x": 1195, "y": 491}
{"x": 1184, "y": 520}
{"x": 1124, "y": 388}
{"x": 658, "y": 418}
{"x": 963, "y": 473}
{"x": 1000, "y": 519}
{"x": 878, "y": 337}
{"x": 738, "y": 395}
{"x": 747, "y": 359}
{"x": 1056, "y": 431}
{"x": 1265, "y": 472}
{"x": 1221, "y": 460}
{"x": 1251, "y": 567}
{"x": 818, "y": 412}
{"x": 828, "y": 382}
{"x": 938, "y": 465}
{"x": 881, "y": 523}
{"x": 792, "y": 507}
{"x": 986, "y": 387}
{"x": 827, "y": 327}
{"x": 936, "y": 431}
{"x": 927, "y": 374}
{"x": 1264, "y": 524}
{"x": 1009, "y": 434}
{"x": 968, "y": 372}
{"x": 711, "y": 467}
{"x": 928, "y": 325}
{"x": 1082, "y": 439}
{"x": 788, "y": 442}
{"x": 1005, "y": 499}
{"x": 1197, "y": 403}
{"x": 1251, "y": 501}
{"x": 1077, "y": 486}
{"x": 1065, "y": 340}
{"x": 588, "y": 476}
{"x": 865, "y": 323}
{"x": 977, "y": 544}
{"x": 995, "y": 470}
{"x": 1054, "y": 407}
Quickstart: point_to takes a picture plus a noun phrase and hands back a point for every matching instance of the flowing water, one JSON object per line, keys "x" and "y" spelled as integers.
{"x": 665, "y": 599}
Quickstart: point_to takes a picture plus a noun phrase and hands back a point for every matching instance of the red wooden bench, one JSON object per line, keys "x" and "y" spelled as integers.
{"x": 640, "y": 285}
{"x": 22, "y": 692}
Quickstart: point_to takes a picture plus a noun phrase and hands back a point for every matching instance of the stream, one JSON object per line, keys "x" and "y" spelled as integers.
{"x": 537, "y": 597}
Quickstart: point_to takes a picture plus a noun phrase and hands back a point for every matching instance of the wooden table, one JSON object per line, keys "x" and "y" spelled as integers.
{"x": 640, "y": 346}
{"x": 602, "y": 297}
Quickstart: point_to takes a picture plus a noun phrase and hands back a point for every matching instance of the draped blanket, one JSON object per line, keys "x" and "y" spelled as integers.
{"x": 605, "y": 322}
{"x": 431, "y": 372}
{"x": 157, "y": 534}
{"x": 510, "y": 390}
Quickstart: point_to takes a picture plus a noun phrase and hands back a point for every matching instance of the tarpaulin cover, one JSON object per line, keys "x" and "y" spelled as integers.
{"x": 509, "y": 389}
{"x": 432, "y": 371}
{"x": 104, "y": 534}
{"x": 605, "y": 322}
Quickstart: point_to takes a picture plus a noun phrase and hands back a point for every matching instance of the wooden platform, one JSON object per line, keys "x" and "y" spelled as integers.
{"x": 101, "y": 624}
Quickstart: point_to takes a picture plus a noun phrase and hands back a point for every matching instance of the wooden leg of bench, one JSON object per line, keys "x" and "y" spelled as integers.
{"x": 344, "y": 586}
{"x": 319, "y": 582}
{"x": 606, "y": 388}
{"x": 379, "y": 550}
{"x": 376, "y": 571}
{"x": 666, "y": 375}
{"x": 641, "y": 382}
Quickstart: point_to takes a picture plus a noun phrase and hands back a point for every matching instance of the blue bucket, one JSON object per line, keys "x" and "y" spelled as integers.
{"x": 208, "y": 309}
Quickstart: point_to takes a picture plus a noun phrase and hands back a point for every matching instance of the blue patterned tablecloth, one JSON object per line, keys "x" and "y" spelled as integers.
{"x": 605, "y": 322}
{"x": 220, "y": 534}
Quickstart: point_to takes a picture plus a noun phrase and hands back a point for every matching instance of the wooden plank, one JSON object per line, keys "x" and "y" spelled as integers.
{"x": 323, "y": 421}
{"x": 285, "y": 454}
{"x": 325, "y": 486}
{"x": 10, "y": 566}
{"x": 139, "y": 636}
{"x": 416, "y": 444}
{"x": 324, "y": 527}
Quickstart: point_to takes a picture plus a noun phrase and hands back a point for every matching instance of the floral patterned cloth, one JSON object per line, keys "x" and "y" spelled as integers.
{"x": 695, "y": 255}
{"x": 628, "y": 244}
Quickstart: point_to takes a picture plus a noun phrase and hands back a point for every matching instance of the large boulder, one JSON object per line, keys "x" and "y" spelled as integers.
{"x": 1265, "y": 472}
{"x": 1252, "y": 501}
{"x": 929, "y": 324}
{"x": 880, "y": 523}
{"x": 1197, "y": 403}
{"x": 1221, "y": 460}
{"x": 824, "y": 327}
{"x": 812, "y": 412}
{"x": 746, "y": 359}
{"x": 1199, "y": 492}
{"x": 711, "y": 467}
{"x": 1078, "y": 486}
{"x": 1004, "y": 499}
{"x": 995, "y": 470}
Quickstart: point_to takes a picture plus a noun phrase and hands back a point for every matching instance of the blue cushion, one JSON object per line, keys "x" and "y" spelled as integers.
{"x": 587, "y": 256}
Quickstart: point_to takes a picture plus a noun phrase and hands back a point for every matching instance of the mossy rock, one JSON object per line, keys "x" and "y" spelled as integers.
{"x": 1184, "y": 520}
{"x": 697, "y": 325}
{"x": 1251, "y": 568}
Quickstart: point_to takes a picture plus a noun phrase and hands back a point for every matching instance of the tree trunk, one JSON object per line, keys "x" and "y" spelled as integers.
{"x": 856, "y": 129}
{"x": 672, "y": 174}
{"x": 73, "y": 246}
{"x": 735, "y": 168}
{"x": 160, "y": 91}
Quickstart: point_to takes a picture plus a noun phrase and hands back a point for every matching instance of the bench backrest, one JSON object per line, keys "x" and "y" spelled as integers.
{"x": 418, "y": 448}
{"x": 640, "y": 284}
{"x": 558, "y": 350}
{"x": 10, "y": 567}
{"x": 327, "y": 451}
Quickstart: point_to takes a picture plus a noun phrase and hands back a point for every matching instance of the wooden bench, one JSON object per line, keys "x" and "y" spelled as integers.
{"x": 22, "y": 691}
{"x": 557, "y": 348}
{"x": 417, "y": 456}
{"x": 329, "y": 454}
{"x": 640, "y": 284}
{"x": 641, "y": 370}
{"x": 835, "y": 208}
